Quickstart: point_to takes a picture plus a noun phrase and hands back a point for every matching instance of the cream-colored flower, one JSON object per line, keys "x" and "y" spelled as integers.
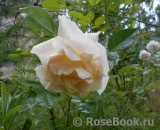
{"x": 153, "y": 46}
{"x": 73, "y": 63}
{"x": 144, "y": 55}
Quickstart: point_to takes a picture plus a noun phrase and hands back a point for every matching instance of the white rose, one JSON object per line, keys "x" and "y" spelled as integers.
{"x": 73, "y": 63}
{"x": 153, "y": 46}
{"x": 144, "y": 55}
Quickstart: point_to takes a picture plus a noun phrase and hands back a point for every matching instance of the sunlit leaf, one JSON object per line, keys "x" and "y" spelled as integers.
{"x": 127, "y": 2}
{"x": 76, "y": 14}
{"x": 53, "y": 4}
{"x": 83, "y": 22}
{"x": 100, "y": 20}
{"x": 94, "y": 2}
{"x": 14, "y": 56}
{"x": 89, "y": 17}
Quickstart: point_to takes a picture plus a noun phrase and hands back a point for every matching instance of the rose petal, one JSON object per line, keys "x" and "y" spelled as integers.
{"x": 93, "y": 36}
{"x": 103, "y": 59}
{"x": 104, "y": 84}
{"x": 82, "y": 73}
{"x": 67, "y": 27}
{"x": 94, "y": 67}
{"x": 43, "y": 73}
{"x": 62, "y": 65}
{"x": 96, "y": 84}
{"x": 82, "y": 45}
{"x": 70, "y": 53}
{"x": 86, "y": 57}
{"x": 48, "y": 48}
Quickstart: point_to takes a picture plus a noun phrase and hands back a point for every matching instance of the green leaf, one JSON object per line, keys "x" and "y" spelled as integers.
{"x": 139, "y": 90}
{"x": 35, "y": 85}
{"x": 76, "y": 14}
{"x": 119, "y": 37}
{"x": 14, "y": 56}
{"x": 42, "y": 39}
{"x": 12, "y": 114}
{"x": 27, "y": 125}
{"x": 126, "y": 43}
{"x": 39, "y": 20}
{"x": 89, "y": 17}
{"x": 127, "y": 2}
{"x": 100, "y": 20}
{"x": 89, "y": 106}
{"x": 5, "y": 99}
{"x": 32, "y": 71}
{"x": 47, "y": 99}
{"x": 114, "y": 6}
{"x": 94, "y": 2}
{"x": 53, "y": 4}
{"x": 83, "y": 22}
{"x": 25, "y": 53}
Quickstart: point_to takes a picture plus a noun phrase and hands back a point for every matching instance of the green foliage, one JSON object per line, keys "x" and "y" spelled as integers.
{"x": 100, "y": 20}
{"x": 39, "y": 20}
{"x": 94, "y": 2}
{"x": 76, "y": 14}
{"x": 132, "y": 90}
{"x": 53, "y": 4}
{"x": 27, "y": 124}
{"x": 8, "y": 115}
{"x": 119, "y": 37}
{"x": 46, "y": 99}
{"x": 89, "y": 106}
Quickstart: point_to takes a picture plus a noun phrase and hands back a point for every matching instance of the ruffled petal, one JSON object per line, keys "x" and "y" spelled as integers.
{"x": 83, "y": 44}
{"x": 93, "y": 36}
{"x": 86, "y": 57}
{"x": 48, "y": 48}
{"x": 82, "y": 73}
{"x": 62, "y": 65}
{"x": 45, "y": 74}
{"x": 103, "y": 60}
{"x": 70, "y": 53}
{"x": 104, "y": 84}
{"x": 94, "y": 67}
{"x": 67, "y": 27}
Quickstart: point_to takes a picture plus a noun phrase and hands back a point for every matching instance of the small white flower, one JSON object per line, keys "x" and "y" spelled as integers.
{"x": 153, "y": 46}
{"x": 24, "y": 15}
{"x": 144, "y": 55}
